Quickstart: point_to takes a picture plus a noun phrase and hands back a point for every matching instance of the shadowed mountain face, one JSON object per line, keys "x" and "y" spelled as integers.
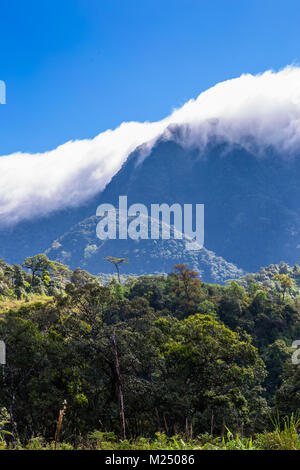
{"x": 252, "y": 212}
{"x": 81, "y": 247}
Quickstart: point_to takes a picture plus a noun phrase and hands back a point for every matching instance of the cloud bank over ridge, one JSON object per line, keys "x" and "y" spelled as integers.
{"x": 264, "y": 107}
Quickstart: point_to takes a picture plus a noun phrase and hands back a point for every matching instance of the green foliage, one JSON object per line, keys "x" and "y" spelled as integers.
{"x": 285, "y": 438}
{"x": 195, "y": 359}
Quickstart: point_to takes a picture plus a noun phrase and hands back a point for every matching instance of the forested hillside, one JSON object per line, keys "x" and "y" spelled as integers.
{"x": 185, "y": 357}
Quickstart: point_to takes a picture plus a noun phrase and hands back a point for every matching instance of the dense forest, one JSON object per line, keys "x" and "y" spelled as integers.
{"x": 93, "y": 360}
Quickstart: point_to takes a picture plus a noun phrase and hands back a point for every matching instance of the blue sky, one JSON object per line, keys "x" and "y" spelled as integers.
{"x": 74, "y": 68}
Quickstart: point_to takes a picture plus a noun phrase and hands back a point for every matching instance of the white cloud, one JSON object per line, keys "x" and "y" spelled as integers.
{"x": 265, "y": 107}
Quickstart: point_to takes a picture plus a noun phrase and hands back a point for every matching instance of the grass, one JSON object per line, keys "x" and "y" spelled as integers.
{"x": 284, "y": 437}
{"x": 7, "y": 303}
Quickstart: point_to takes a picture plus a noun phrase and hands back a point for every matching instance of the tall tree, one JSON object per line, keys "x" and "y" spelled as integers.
{"x": 116, "y": 262}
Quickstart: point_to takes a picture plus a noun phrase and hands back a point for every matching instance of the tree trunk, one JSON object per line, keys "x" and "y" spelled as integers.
{"x": 119, "y": 385}
{"x": 12, "y": 421}
{"x": 223, "y": 427}
{"x": 118, "y": 272}
{"x": 212, "y": 423}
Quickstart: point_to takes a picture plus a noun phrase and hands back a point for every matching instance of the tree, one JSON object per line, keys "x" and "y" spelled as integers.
{"x": 275, "y": 357}
{"x": 116, "y": 262}
{"x": 36, "y": 264}
{"x": 149, "y": 287}
{"x": 41, "y": 370}
{"x": 210, "y": 372}
{"x": 41, "y": 265}
{"x": 285, "y": 283}
{"x": 110, "y": 341}
{"x": 119, "y": 385}
{"x": 81, "y": 277}
{"x": 288, "y": 397}
{"x": 185, "y": 291}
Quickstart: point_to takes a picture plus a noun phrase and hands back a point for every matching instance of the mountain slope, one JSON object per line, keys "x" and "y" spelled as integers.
{"x": 234, "y": 149}
{"x": 81, "y": 247}
{"x": 252, "y": 214}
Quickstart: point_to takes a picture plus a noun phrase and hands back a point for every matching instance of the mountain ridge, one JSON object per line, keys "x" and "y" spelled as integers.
{"x": 252, "y": 216}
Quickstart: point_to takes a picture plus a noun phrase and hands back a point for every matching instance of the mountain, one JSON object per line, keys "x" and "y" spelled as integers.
{"x": 252, "y": 214}
{"x": 30, "y": 237}
{"x": 81, "y": 247}
{"x": 235, "y": 149}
